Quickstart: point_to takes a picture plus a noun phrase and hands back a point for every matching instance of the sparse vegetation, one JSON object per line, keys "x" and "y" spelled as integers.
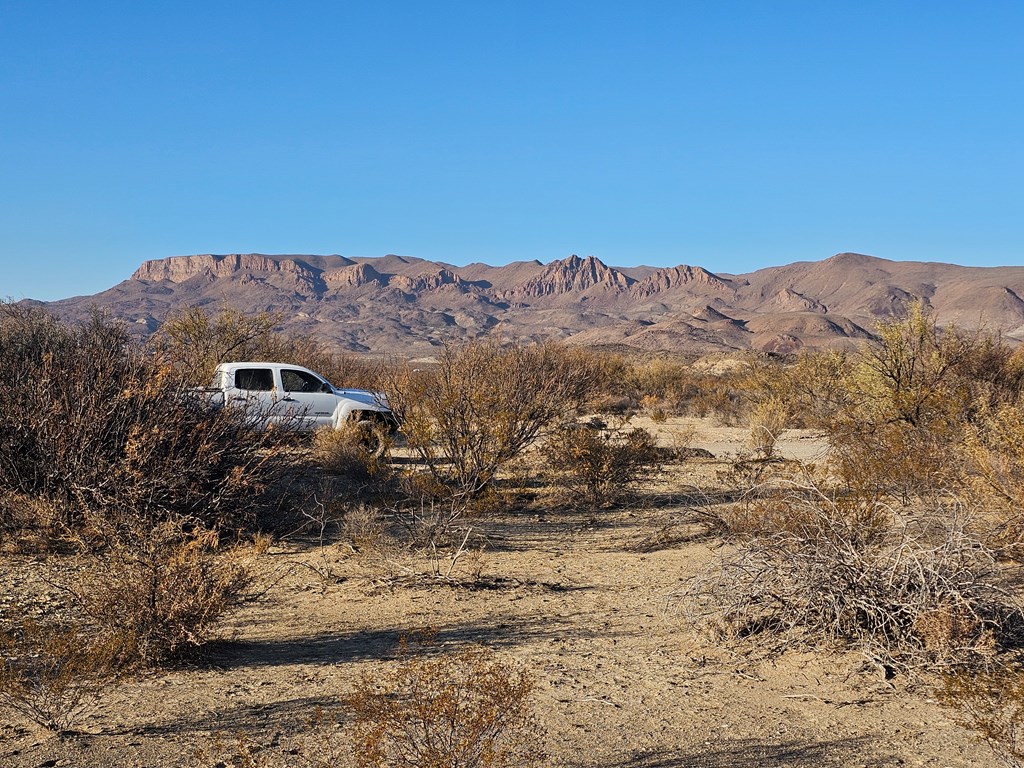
{"x": 991, "y": 702}
{"x": 905, "y": 587}
{"x": 50, "y": 673}
{"x": 469, "y": 709}
{"x": 600, "y": 467}
{"x": 153, "y": 593}
{"x": 482, "y": 406}
{"x": 904, "y": 545}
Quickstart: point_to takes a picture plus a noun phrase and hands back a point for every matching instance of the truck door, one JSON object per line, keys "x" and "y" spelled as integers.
{"x": 255, "y": 390}
{"x": 309, "y": 399}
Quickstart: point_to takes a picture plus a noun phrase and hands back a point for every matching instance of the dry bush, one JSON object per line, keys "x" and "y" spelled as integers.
{"x": 27, "y": 523}
{"x": 93, "y": 425}
{"x": 482, "y": 406}
{"x": 155, "y": 592}
{"x": 991, "y": 702}
{"x": 995, "y": 452}
{"x": 681, "y": 389}
{"x": 51, "y": 673}
{"x": 195, "y": 342}
{"x": 363, "y": 528}
{"x": 597, "y": 467}
{"x": 898, "y": 427}
{"x": 895, "y": 458}
{"x": 357, "y": 451}
{"x": 456, "y": 710}
{"x": 905, "y": 587}
{"x": 768, "y": 420}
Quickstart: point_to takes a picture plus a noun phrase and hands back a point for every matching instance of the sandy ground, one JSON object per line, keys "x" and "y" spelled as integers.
{"x": 574, "y": 596}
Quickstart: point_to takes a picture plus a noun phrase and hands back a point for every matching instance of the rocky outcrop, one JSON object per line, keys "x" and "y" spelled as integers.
{"x": 572, "y": 275}
{"x": 429, "y": 281}
{"x": 675, "y": 277}
{"x": 354, "y": 276}
{"x": 788, "y": 300}
{"x": 178, "y": 269}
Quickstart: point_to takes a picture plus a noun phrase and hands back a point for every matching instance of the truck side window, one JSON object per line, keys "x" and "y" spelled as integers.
{"x": 255, "y": 379}
{"x": 300, "y": 381}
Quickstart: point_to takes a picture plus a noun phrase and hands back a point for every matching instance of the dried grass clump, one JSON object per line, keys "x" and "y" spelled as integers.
{"x": 991, "y": 702}
{"x": 599, "y": 467}
{"x": 50, "y": 673}
{"x": 768, "y": 420}
{"x": 455, "y": 710}
{"x": 906, "y": 586}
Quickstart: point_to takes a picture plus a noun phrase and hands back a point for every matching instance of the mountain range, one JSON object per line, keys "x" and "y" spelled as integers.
{"x": 410, "y": 306}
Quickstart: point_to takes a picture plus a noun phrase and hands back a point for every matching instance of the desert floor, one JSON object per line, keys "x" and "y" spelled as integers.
{"x": 583, "y": 598}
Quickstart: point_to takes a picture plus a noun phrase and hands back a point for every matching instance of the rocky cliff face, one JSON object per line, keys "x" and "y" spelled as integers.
{"x": 178, "y": 269}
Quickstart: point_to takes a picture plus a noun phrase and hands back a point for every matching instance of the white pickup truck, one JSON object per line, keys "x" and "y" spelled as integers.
{"x": 299, "y": 399}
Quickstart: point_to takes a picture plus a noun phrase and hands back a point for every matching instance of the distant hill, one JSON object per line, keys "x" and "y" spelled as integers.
{"x": 409, "y": 306}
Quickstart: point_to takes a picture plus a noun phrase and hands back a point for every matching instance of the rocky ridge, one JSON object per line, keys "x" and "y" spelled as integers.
{"x": 405, "y": 305}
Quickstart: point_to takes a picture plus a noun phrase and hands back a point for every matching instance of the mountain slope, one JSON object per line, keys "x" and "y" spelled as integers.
{"x": 404, "y": 305}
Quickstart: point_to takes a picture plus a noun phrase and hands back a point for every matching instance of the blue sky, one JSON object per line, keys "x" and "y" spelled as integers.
{"x": 733, "y": 135}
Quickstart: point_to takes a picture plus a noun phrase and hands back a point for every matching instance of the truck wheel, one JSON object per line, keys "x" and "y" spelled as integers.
{"x": 373, "y": 438}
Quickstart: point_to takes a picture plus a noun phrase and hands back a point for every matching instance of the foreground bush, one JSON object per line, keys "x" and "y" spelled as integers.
{"x": 153, "y": 593}
{"x": 461, "y": 710}
{"x": 905, "y": 585}
{"x": 50, "y": 673}
{"x": 93, "y": 426}
{"x": 482, "y": 406}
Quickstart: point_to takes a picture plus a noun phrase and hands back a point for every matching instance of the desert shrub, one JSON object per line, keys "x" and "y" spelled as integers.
{"x": 895, "y": 458}
{"x": 814, "y": 387}
{"x": 352, "y": 451}
{"x": 991, "y": 702}
{"x": 482, "y": 405}
{"x": 995, "y": 451}
{"x": 49, "y": 672}
{"x": 598, "y": 467}
{"x": 28, "y": 523}
{"x": 363, "y": 527}
{"x": 768, "y": 420}
{"x": 195, "y": 342}
{"x": 92, "y": 424}
{"x": 909, "y": 399}
{"x": 906, "y": 587}
{"x": 456, "y": 710}
{"x": 153, "y": 592}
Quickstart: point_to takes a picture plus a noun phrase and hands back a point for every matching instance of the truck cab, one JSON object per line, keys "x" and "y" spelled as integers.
{"x": 297, "y": 398}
